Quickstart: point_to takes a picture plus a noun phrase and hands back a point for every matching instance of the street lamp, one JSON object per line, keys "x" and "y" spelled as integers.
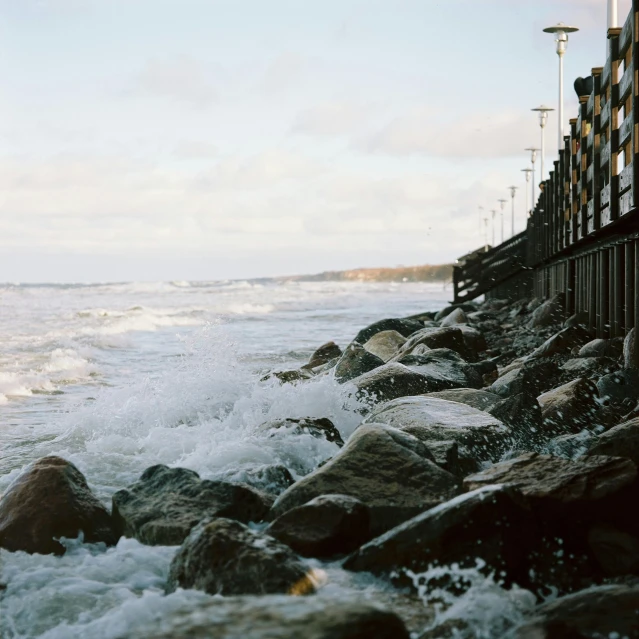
{"x": 481, "y": 208}
{"x": 485, "y": 234}
{"x": 494, "y": 212}
{"x": 513, "y": 190}
{"x": 612, "y": 14}
{"x": 527, "y": 171}
{"x": 561, "y": 32}
{"x": 502, "y": 203}
{"x": 533, "y": 157}
{"x": 543, "y": 111}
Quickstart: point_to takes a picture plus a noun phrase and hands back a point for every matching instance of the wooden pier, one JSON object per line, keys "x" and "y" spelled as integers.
{"x": 582, "y": 238}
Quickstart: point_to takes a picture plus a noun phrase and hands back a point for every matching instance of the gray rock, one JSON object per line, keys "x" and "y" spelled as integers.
{"x": 162, "y": 507}
{"x": 616, "y": 551}
{"x": 572, "y": 445}
{"x": 620, "y": 387}
{"x": 631, "y": 350}
{"x": 533, "y": 377}
{"x": 326, "y": 526}
{"x": 602, "y": 348}
{"x": 476, "y": 398}
{"x": 467, "y": 307}
{"x": 289, "y": 377}
{"x": 274, "y": 617}
{"x": 474, "y": 339}
{"x": 443, "y": 367}
{"x": 522, "y": 414}
{"x": 391, "y": 381}
{"x": 323, "y": 355}
{"x": 446, "y": 337}
{"x": 318, "y": 427}
{"x": 385, "y": 344}
{"x": 446, "y": 455}
{"x": 480, "y": 436}
{"x": 562, "y": 342}
{"x": 578, "y": 319}
{"x": 367, "y": 469}
{"x": 587, "y": 366}
{"x": 455, "y": 317}
{"x": 550, "y": 312}
{"x": 271, "y": 479}
{"x": 355, "y": 361}
{"x": 225, "y": 557}
{"x": 571, "y": 407}
{"x": 620, "y": 441}
{"x": 405, "y": 327}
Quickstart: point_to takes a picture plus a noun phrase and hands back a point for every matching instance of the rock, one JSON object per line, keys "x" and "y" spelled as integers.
{"x": 533, "y": 377}
{"x": 620, "y": 387}
{"x": 326, "y": 526}
{"x": 49, "y": 500}
{"x": 578, "y": 319}
{"x": 631, "y": 350}
{"x": 571, "y": 407}
{"x": 324, "y": 354}
{"x": 385, "y": 344}
{"x": 491, "y": 524}
{"x": 446, "y": 454}
{"x": 443, "y": 367}
{"x": 604, "y": 611}
{"x": 474, "y": 340}
{"x": 317, "y": 427}
{"x": 162, "y": 507}
{"x": 479, "y": 399}
{"x": 467, "y": 307}
{"x": 367, "y": 469}
{"x": 447, "y": 337}
{"x": 550, "y": 312}
{"x": 587, "y": 366}
{"x": 225, "y": 557}
{"x": 455, "y": 317}
{"x": 271, "y": 479}
{"x": 620, "y": 441}
{"x": 274, "y": 617}
{"x": 391, "y": 381}
{"x": 602, "y": 348}
{"x": 480, "y": 436}
{"x": 405, "y": 327}
{"x": 562, "y": 342}
{"x": 355, "y": 361}
{"x": 617, "y": 552}
{"x": 560, "y": 488}
{"x": 289, "y": 377}
{"x": 571, "y": 446}
{"x": 522, "y": 414}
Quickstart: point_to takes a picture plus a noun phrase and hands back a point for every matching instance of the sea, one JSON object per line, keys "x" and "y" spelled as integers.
{"x": 117, "y": 377}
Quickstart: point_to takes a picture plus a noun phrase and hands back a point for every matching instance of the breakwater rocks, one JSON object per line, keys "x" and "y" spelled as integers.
{"x": 494, "y": 437}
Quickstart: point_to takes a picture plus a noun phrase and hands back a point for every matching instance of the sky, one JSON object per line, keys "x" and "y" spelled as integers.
{"x": 214, "y": 139}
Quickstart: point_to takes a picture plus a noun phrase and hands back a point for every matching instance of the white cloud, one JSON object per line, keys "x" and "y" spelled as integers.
{"x": 195, "y": 149}
{"x": 332, "y": 118}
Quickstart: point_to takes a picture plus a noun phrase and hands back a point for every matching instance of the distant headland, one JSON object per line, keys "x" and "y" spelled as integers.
{"x": 424, "y": 273}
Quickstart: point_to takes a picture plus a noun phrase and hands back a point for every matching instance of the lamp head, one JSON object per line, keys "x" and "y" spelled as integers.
{"x": 543, "y": 111}
{"x": 502, "y": 202}
{"x": 561, "y": 32}
{"x": 513, "y": 190}
{"x": 527, "y": 172}
{"x": 533, "y": 153}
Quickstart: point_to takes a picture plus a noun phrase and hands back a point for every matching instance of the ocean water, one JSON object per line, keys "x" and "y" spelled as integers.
{"x": 118, "y": 377}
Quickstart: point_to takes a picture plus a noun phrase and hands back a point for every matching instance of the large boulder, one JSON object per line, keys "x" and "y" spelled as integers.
{"x": 385, "y": 344}
{"x": 587, "y": 366}
{"x": 467, "y": 307}
{"x": 225, "y": 557}
{"x": 602, "y": 348}
{"x": 272, "y": 617}
{"x": 522, "y": 414}
{"x": 324, "y": 354}
{"x": 620, "y": 441}
{"x": 355, "y": 361}
{"x": 49, "y": 500}
{"x": 326, "y": 526}
{"x": 367, "y": 469}
{"x": 570, "y": 408}
{"x": 631, "y": 350}
{"x": 443, "y": 367}
{"x": 550, "y": 312}
{"x": 391, "y": 381}
{"x": 318, "y": 427}
{"x": 479, "y": 399}
{"x": 271, "y": 479}
{"x": 405, "y": 327}
{"x": 562, "y": 342}
{"x": 620, "y": 387}
{"x": 480, "y": 436}
{"x": 603, "y": 611}
{"x": 492, "y": 525}
{"x": 162, "y": 507}
{"x": 532, "y": 377}
{"x": 446, "y": 337}
{"x": 455, "y": 317}
{"x": 474, "y": 339}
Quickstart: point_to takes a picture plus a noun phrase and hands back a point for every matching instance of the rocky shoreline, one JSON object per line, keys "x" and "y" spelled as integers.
{"x": 497, "y": 436}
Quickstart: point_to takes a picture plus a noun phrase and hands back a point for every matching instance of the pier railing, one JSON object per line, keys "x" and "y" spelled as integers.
{"x": 582, "y": 237}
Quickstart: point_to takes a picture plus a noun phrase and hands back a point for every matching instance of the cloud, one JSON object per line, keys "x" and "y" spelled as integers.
{"x": 285, "y": 71}
{"x": 195, "y": 149}
{"x": 332, "y": 118}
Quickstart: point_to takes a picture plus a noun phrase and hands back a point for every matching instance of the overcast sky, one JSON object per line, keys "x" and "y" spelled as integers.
{"x": 207, "y": 139}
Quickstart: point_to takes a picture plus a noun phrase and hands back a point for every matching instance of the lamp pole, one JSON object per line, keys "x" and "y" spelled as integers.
{"x": 533, "y": 158}
{"x": 527, "y": 171}
{"x": 481, "y": 209}
{"x": 513, "y": 190}
{"x": 494, "y": 212}
{"x": 485, "y": 234}
{"x": 561, "y": 32}
{"x": 543, "y": 111}
{"x": 502, "y": 203}
{"x": 612, "y": 14}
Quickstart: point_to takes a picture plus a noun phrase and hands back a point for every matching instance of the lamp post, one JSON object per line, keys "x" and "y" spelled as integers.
{"x": 485, "y": 234}
{"x": 612, "y": 14}
{"x": 494, "y": 212}
{"x": 481, "y": 209}
{"x": 527, "y": 171}
{"x": 543, "y": 111}
{"x": 533, "y": 157}
{"x": 502, "y": 203}
{"x": 513, "y": 190}
{"x": 561, "y": 32}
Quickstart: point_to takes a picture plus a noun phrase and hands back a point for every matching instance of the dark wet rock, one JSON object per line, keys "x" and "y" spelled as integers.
{"x": 326, "y": 526}
{"x": 451, "y": 338}
{"x": 550, "y": 312}
{"x": 522, "y": 414}
{"x": 479, "y": 435}
{"x": 620, "y": 441}
{"x": 318, "y": 427}
{"x": 49, "y": 500}
{"x": 467, "y": 307}
{"x": 455, "y": 317}
{"x": 446, "y": 454}
{"x": 275, "y": 617}
{"x": 391, "y": 381}
{"x": 367, "y": 469}
{"x": 604, "y": 611}
{"x": 405, "y": 327}
{"x": 226, "y": 557}
{"x": 162, "y": 507}
{"x": 289, "y": 377}
{"x": 486, "y": 368}
{"x": 324, "y": 354}
{"x": 355, "y": 361}
{"x": 602, "y": 348}
{"x": 572, "y": 445}
{"x": 474, "y": 340}
{"x": 560, "y": 488}
{"x": 571, "y": 407}
{"x": 578, "y": 319}
{"x": 587, "y": 366}
{"x": 443, "y": 367}
{"x": 479, "y": 399}
{"x": 631, "y": 350}
{"x": 532, "y": 377}
{"x": 271, "y": 479}
{"x": 492, "y": 524}
{"x": 616, "y": 551}
{"x": 562, "y": 342}
{"x": 385, "y": 344}
{"x": 620, "y": 387}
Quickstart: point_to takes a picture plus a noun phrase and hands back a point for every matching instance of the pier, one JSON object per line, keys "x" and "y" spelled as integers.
{"x": 582, "y": 236}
